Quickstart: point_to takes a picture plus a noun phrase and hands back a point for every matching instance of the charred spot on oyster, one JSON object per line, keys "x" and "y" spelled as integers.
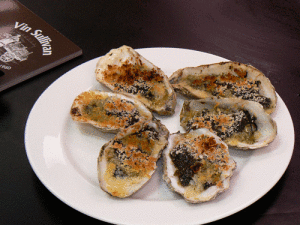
{"x": 197, "y": 165}
{"x": 238, "y": 122}
{"x": 226, "y": 80}
{"x": 128, "y": 161}
{"x": 125, "y": 71}
{"x": 108, "y": 111}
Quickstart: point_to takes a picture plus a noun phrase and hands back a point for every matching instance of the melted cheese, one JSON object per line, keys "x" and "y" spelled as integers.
{"x": 107, "y": 111}
{"x": 233, "y": 83}
{"x": 131, "y": 157}
{"x": 125, "y": 71}
{"x": 147, "y": 84}
{"x": 212, "y": 157}
{"x": 118, "y": 187}
{"x": 225, "y": 123}
{"x": 225, "y": 85}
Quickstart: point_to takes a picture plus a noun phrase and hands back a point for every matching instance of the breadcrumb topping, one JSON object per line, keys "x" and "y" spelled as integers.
{"x": 137, "y": 153}
{"x": 229, "y": 85}
{"x": 199, "y": 156}
{"x": 107, "y": 111}
{"x": 224, "y": 124}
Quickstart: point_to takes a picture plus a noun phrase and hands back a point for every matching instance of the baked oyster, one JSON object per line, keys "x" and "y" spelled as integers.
{"x": 125, "y": 71}
{"x": 197, "y": 165}
{"x": 240, "y": 123}
{"x": 108, "y": 111}
{"x": 226, "y": 80}
{"x": 128, "y": 161}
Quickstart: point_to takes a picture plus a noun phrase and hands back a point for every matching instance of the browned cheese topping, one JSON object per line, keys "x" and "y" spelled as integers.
{"x": 133, "y": 154}
{"x": 199, "y": 156}
{"x": 108, "y": 112}
{"x": 128, "y": 74}
{"x": 137, "y": 79}
{"x": 229, "y": 85}
{"x": 224, "y": 123}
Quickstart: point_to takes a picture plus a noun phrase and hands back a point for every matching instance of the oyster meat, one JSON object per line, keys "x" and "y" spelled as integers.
{"x": 197, "y": 165}
{"x": 125, "y": 71}
{"x": 128, "y": 161}
{"x": 108, "y": 111}
{"x": 240, "y": 123}
{"x": 226, "y": 80}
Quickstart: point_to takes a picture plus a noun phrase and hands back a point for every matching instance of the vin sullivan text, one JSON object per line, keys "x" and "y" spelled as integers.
{"x": 42, "y": 39}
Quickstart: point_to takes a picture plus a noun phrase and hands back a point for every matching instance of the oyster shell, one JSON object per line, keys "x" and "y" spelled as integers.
{"x": 125, "y": 71}
{"x": 226, "y": 80}
{"x": 240, "y": 123}
{"x": 128, "y": 161}
{"x": 197, "y": 165}
{"x": 108, "y": 111}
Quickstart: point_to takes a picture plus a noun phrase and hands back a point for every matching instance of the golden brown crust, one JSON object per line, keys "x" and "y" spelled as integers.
{"x": 125, "y": 71}
{"x": 108, "y": 111}
{"x": 197, "y": 165}
{"x": 226, "y": 80}
{"x": 128, "y": 161}
{"x": 240, "y": 123}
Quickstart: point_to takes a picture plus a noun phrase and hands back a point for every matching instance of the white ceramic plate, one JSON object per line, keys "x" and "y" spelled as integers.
{"x": 63, "y": 154}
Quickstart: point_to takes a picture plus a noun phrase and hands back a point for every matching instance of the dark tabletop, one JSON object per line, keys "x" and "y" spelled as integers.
{"x": 265, "y": 34}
